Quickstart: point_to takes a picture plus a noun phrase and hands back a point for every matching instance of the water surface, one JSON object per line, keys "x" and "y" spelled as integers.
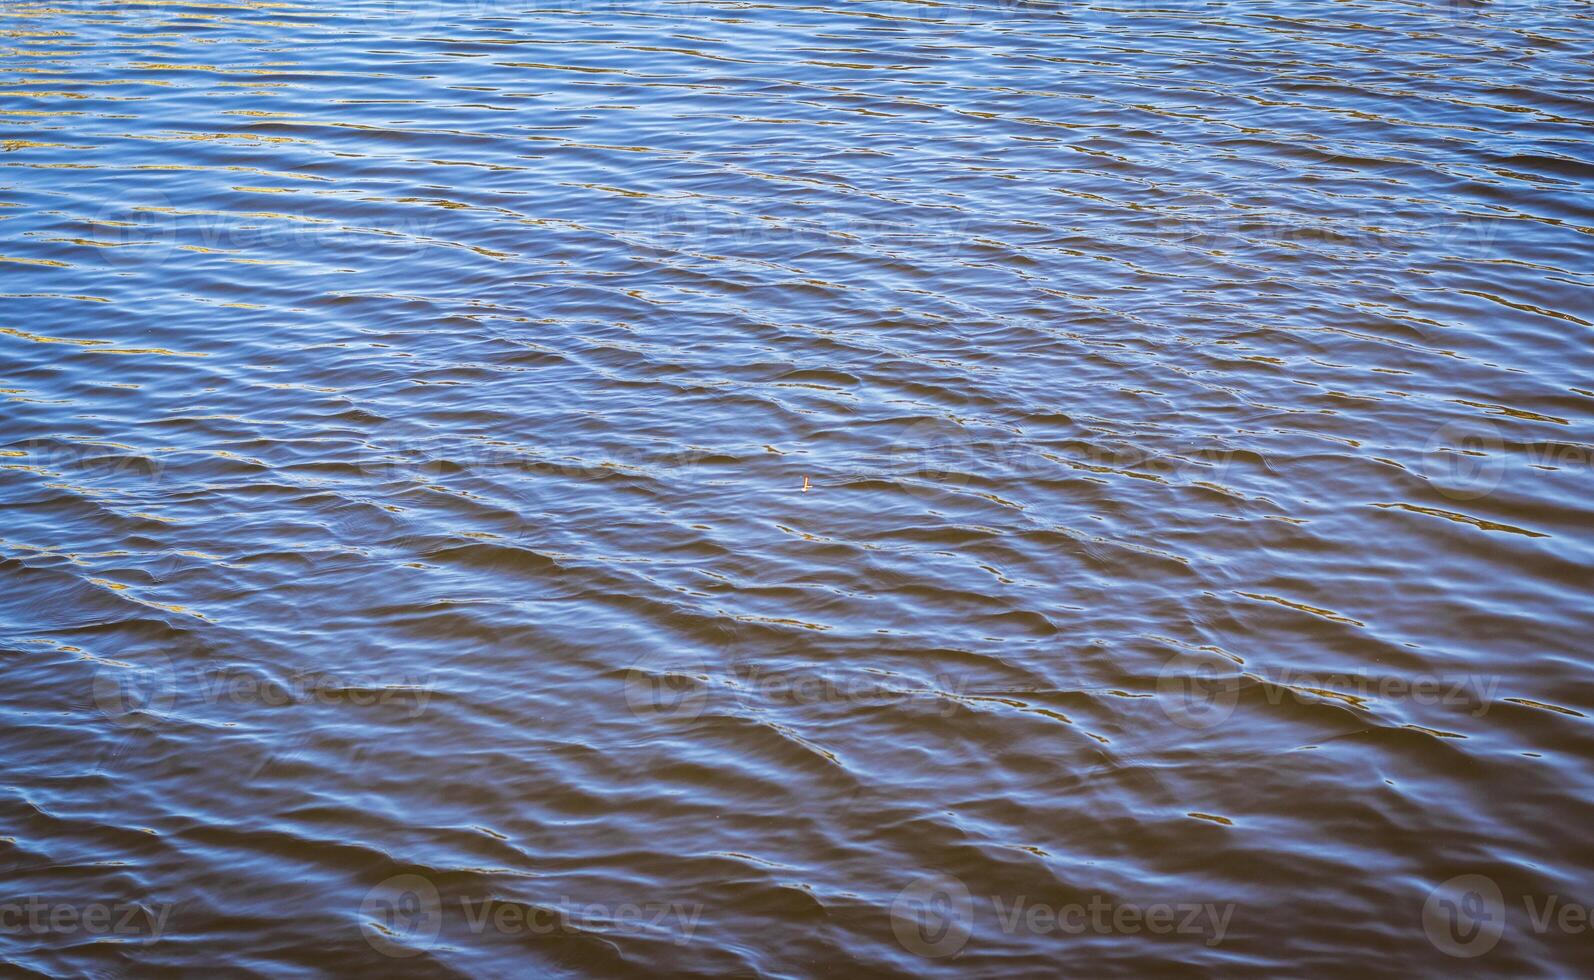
{"x": 794, "y": 488}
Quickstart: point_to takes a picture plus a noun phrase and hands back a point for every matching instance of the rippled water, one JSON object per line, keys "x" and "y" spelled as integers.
{"x": 1010, "y": 489}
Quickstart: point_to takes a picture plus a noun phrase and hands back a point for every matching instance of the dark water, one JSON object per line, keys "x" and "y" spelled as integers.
{"x": 407, "y": 566}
